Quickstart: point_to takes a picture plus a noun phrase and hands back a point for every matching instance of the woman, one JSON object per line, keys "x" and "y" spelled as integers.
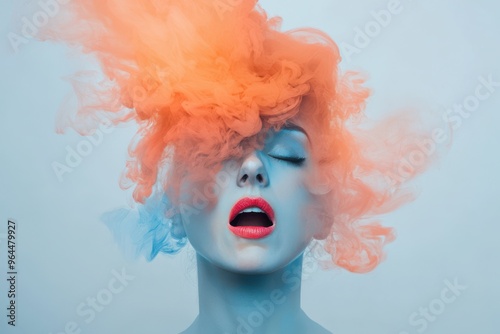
{"x": 250, "y": 244}
{"x": 251, "y": 145}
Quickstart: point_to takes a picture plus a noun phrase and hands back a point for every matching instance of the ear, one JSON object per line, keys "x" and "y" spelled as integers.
{"x": 323, "y": 232}
{"x": 177, "y": 227}
{"x": 322, "y": 223}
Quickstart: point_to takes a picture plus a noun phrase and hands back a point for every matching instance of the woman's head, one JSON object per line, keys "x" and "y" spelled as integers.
{"x": 266, "y": 189}
{"x": 210, "y": 86}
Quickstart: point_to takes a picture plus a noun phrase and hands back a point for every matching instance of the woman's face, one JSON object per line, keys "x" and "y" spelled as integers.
{"x": 259, "y": 221}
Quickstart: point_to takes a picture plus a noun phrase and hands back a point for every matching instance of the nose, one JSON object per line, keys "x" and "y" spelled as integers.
{"x": 252, "y": 172}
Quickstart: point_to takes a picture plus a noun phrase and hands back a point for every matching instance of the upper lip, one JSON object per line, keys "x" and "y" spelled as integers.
{"x": 252, "y": 202}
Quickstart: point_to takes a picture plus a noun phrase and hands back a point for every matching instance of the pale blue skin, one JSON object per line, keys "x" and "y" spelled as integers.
{"x": 238, "y": 278}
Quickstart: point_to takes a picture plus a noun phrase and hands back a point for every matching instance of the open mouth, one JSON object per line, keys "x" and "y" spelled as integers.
{"x": 251, "y": 218}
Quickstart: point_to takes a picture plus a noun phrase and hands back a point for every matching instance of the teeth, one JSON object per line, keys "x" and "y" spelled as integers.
{"x": 252, "y": 209}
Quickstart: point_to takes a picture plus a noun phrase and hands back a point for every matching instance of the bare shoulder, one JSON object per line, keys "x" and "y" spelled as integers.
{"x": 315, "y": 328}
{"x": 192, "y": 329}
{"x": 312, "y": 327}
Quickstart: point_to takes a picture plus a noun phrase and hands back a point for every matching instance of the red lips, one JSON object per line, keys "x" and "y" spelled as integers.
{"x": 251, "y": 225}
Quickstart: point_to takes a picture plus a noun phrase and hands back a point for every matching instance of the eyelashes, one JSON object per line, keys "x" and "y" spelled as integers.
{"x": 296, "y": 161}
{"x": 288, "y": 151}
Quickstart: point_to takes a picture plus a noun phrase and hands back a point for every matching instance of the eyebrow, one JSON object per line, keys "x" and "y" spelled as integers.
{"x": 295, "y": 127}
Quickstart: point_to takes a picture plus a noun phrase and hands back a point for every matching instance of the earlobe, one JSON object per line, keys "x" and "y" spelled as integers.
{"x": 318, "y": 221}
{"x": 322, "y": 234}
{"x": 323, "y": 231}
{"x": 177, "y": 226}
{"x": 317, "y": 182}
{"x": 322, "y": 223}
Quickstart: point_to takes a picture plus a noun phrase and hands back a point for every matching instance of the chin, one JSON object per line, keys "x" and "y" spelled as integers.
{"x": 256, "y": 260}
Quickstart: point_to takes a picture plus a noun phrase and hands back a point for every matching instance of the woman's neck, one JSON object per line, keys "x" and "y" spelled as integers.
{"x": 260, "y": 303}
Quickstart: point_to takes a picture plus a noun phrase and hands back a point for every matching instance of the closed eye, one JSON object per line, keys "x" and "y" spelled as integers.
{"x": 293, "y": 160}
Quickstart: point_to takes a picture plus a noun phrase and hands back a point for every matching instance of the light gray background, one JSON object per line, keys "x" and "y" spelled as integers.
{"x": 430, "y": 55}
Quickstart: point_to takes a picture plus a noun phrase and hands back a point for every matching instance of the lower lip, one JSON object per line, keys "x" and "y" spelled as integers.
{"x": 251, "y": 232}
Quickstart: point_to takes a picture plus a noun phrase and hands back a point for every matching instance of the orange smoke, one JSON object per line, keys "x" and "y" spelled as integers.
{"x": 205, "y": 81}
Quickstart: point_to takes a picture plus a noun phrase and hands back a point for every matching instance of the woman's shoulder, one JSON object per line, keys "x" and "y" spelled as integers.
{"x": 312, "y": 327}
{"x": 315, "y": 328}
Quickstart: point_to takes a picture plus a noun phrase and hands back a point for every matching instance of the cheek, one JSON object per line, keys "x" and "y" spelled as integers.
{"x": 194, "y": 211}
{"x": 205, "y": 219}
{"x": 203, "y": 233}
{"x": 197, "y": 199}
{"x": 290, "y": 188}
{"x": 294, "y": 203}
